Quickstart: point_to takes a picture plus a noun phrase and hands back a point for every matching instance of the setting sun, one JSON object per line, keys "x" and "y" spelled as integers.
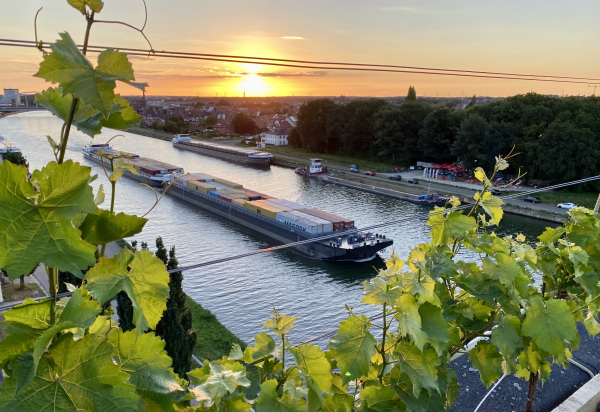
{"x": 253, "y": 85}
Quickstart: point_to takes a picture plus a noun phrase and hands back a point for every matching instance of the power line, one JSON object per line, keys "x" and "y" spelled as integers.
{"x": 320, "y": 65}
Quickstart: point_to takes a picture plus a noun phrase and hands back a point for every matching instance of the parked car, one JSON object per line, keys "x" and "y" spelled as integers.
{"x": 566, "y": 205}
{"x": 370, "y": 173}
{"x": 413, "y": 181}
{"x": 395, "y": 177}
{"x": 354, "y": 169}
{"x": 532, "y": 199}
{"x": 495, "y": 192}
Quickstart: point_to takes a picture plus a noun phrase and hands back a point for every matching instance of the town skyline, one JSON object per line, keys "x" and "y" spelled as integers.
{"x": 556, "y": 40}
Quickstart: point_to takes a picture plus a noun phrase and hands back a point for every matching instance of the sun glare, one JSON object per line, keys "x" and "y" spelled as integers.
{"x": 253, "y": 85}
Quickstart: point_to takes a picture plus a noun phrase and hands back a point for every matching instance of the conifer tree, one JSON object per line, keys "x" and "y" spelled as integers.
{"x": 412, "y": 94}
{"x": 175, "y": 326}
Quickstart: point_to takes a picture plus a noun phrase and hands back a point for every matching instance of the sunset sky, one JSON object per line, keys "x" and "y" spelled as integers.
{"x": 549, "y": 37}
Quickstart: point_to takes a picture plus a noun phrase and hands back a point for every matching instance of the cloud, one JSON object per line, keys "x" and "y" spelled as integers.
{"x": 292, "y": 38}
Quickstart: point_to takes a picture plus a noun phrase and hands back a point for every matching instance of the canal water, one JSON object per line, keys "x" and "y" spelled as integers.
{"x": 243, "y": 292}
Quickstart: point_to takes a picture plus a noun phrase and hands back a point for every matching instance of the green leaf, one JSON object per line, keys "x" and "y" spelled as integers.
{"x": 422, "y": 287}
{"x": 69, "y": 67}
{"x": 505, "y": 269}
{"x": 102, "y": 227}
{"x": 265, "y": 345}
{"x": 378, "y": 291}
{"x": 378, "y": 398}
{"x": 445, "y": 228}
{"x": 281, "y": 324}
{"x": 485, "y": 358}
{"x": 94, "y": 5}
{"x": 481, "y": 176}
{"x": 36, "y": 218}
{"x": 507, "y": 336}
{"x": 354, "y": 345}
{"x": 409, "y": 320}
{"x": 435, "y": 326}
{"x": 87, "y": 119}
{"x": 25, "y": 323}
{"x": 149, "y": 367}
{"x": 269, "y": 402}
{"x": 420, "y": 366}
{"x": 492, "y": 206}
{"x": 550, "y": 325}
{"x": 591, "y": 324}
{"x": 311, "y": 360}
{"x": 74, "y": 375}
{"x": 221, "y": 382}
{"x": 142, "y": 276}
{"x": 81, "y": 309}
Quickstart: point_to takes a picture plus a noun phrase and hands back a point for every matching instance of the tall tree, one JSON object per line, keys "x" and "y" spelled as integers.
{"x": 412, "y": 95}
{"x": 312, "y": 123}
{"x": 243, "y": 124}
{"x": 175, "y": 326}
{"x": 438, "y": 134}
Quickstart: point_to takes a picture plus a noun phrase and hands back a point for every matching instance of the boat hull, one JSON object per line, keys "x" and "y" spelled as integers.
{"x": 140, "y": 178}
{"x": 234, "y": 157}
{"x": 361, "y": 250}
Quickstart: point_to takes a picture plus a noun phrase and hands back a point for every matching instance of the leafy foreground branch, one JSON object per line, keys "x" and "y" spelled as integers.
{"x": 70, "y": 355}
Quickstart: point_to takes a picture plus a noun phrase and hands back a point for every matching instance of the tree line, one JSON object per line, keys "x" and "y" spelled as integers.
{"x": 558, "y": 138}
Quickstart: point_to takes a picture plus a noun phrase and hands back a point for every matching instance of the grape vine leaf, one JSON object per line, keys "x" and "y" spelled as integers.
{"x": 102, "y": 227}
{"x": 550, "y": 325}
{"x": 421, "y": 366}
{"x": 486, "y": 359}
{"x": 423, "y": 287}
{"x": 354, "y": 345}
{"x": 311, "y": 360}
{"x": 435, "y": 326}
{"x": 87, "y": 119}
{"x": 409, "y": 320}
{"x": 507, "y": 336}
{"x": 265, "y": 345}
{"x": 94, "y": 5}
{"x": 492, "y": 206}
{"x": 69, "y": 67}
{"x": 481, "y": 176}
{"x": 281, "y": 324}
{"x": 378, "y": 398}
{"x": 36, "y": 218}
{"x": 25, "y": 323}
{"x": 74, "y": 375}
{"x": 269, "y": 402}
{"x": 149, "y": 367}
{"x": 141, "y": 275}
{"x": 379, "y": 291}
{"x": 445, "y": 228}
{"x": 400, "y": 382}
{"x": 339, "y": 400}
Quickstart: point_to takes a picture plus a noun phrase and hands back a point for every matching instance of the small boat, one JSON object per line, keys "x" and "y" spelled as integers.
{"x": 7, "y": 147}
{"x": 315, "y": 168}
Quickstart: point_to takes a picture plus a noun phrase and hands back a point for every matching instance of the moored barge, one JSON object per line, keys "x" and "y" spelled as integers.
{"x": 251, "y": 157}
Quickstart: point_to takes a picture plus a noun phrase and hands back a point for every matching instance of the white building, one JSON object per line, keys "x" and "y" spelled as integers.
{"x": 277, "y": 138}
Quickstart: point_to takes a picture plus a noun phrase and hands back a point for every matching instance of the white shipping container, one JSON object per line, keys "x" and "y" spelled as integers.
{"x": 327, "y": 225}
{"x": 298, "y": 223}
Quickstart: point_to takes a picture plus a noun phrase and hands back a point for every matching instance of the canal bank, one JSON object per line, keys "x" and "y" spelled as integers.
{"x": 381, "y": 185}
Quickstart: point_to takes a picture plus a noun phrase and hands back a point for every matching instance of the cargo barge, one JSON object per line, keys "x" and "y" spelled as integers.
{"x": 251, "y": 157}
{"x": 150, "y": 172}
{"x": 336, "y": 238}
{"x": 7, "y": 147}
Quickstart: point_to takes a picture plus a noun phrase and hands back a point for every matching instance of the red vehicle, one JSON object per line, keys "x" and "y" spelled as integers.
{"x": 370, "y": 173}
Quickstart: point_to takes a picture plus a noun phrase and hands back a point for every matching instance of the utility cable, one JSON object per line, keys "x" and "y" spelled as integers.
{"x": 308, "y": 64}
{"x": 349, "y": 231}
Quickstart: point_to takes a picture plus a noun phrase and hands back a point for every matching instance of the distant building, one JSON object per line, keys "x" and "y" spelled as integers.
{"x": 12, "y": 97}
{"x": 276, "y": 138}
